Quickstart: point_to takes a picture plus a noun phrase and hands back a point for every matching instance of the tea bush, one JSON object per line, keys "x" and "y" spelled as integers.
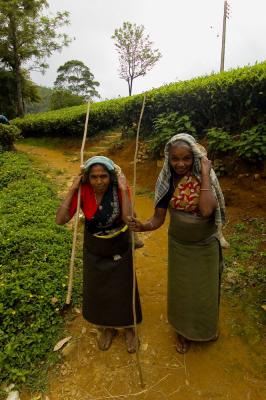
{"x": 232, "y": 100}
{"x": 219, "y": 141}
{"x": 69, "y": 122}
{"x": 12, "y": 168}
{"x": 8, "y": 135}
{"x": 34, "y": 261}
{"x": 252, "y": 144}
{"x": 249, "y": 145}
{"x": 167, "y": 125}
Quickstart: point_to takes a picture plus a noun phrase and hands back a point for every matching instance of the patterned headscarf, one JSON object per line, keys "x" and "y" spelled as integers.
{"x": 163, "y": 181}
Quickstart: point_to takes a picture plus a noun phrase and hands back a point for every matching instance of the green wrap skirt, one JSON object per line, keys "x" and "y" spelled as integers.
{"x": 194, "y": 271}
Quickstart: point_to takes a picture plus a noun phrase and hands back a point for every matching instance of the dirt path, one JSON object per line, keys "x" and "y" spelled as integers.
{"x": 227, "y": 369}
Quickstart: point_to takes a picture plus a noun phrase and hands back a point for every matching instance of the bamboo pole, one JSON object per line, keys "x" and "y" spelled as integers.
{"x": 73, "y": 252}
{"x": 133, "y": 244}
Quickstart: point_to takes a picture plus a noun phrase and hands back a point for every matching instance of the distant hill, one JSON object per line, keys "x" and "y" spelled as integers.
{"x": 44, "y": 103}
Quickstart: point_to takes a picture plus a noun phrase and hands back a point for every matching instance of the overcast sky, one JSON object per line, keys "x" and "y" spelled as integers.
{"x": 188, "y": 33}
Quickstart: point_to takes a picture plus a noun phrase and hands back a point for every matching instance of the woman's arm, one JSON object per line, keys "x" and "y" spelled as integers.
{"x": 207, "y": 200}
{"x": 62, "y": 214}
{"x": 151, "y": 224}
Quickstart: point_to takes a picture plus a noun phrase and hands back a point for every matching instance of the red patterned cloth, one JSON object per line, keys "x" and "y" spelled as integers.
{"x": 186, "y": 195}
{"x": 88, "y": 202}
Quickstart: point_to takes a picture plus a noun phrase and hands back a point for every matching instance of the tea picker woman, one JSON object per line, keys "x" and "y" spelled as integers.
{"x": 188, "y": 186}
{"x": 107, "y": 251}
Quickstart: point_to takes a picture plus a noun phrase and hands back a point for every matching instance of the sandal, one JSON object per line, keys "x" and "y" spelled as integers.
{"x": 182, "y": 344}
{"x": 106, "y": 338}
{"x": 132, "y": 341}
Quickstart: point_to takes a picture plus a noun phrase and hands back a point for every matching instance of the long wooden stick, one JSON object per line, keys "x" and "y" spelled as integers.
{"x": 73, "y": 252}
{"x": 133, "y": 243}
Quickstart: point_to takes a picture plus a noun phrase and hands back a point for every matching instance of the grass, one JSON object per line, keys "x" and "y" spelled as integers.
{"x": 54, "y": 142}
{"x": 244, "y": 280}
{"x": 34, "y": 261}
{"x": 49, "y": 142}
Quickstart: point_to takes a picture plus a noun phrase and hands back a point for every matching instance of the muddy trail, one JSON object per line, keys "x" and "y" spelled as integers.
{"x": 230, "y": 368}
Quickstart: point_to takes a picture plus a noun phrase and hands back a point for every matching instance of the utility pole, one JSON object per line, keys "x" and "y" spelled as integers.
{"x": 226, "y": 15}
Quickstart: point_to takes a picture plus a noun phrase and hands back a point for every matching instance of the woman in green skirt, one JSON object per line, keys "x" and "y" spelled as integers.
{"x": 188, "y": 187}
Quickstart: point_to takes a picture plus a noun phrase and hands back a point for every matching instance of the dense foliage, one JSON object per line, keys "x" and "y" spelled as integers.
{"x": 77, "y": 78}
{"x": 8, "y": 104}
{"x": 43, "y": 103}
{"x": 8, "y": 135}
{"x": 27, "y": 36}
{"x": 167, "y": 125}
{"x": 34, "y": 262}
{"x": 69, "y": 122}
{"x": 62, "y": 98}
{"x": 234, "y": 101}
{"x": 250, "y": 145}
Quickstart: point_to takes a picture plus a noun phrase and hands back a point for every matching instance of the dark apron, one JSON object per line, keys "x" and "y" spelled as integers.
{"x": 108, "y": 281}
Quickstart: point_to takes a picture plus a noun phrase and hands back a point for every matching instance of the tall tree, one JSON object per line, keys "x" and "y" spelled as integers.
{"x": 136, "y": 56}
{"x": 75, "y": 76}
{"x": 29, "y": 90}
{"x": 28, "y": 37}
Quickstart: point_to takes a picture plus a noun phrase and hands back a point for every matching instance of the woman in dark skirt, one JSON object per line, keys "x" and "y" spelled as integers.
{"x": 188, "y": 186}
{"x": 107, "y": 249}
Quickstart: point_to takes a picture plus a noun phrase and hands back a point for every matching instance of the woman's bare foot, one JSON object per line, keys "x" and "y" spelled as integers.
{"x": 132, "y": 341}
{"x": 138, "y": 242}
{"x": 216, "y": 337}
{"x": 106, "y": 338}
{"x": 182, "y": 344}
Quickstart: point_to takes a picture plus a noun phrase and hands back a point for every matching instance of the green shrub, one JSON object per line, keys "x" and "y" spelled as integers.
{"x": 12, "y": 168}
{"x": 251, "y": 145}
{"x": 219, "y": 167}
{"x": 34, "y": 261}
{"x": 69, "y": 122}
{"x": 167, "y": 125}
{"x": 8, "y": 135}
{"x": 232, "y": 100}
{"x": 219, "y": 141}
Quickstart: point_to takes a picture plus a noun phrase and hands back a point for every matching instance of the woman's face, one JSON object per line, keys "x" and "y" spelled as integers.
{"x": 99, "y": 178}
{"x": 181, "y": 159}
